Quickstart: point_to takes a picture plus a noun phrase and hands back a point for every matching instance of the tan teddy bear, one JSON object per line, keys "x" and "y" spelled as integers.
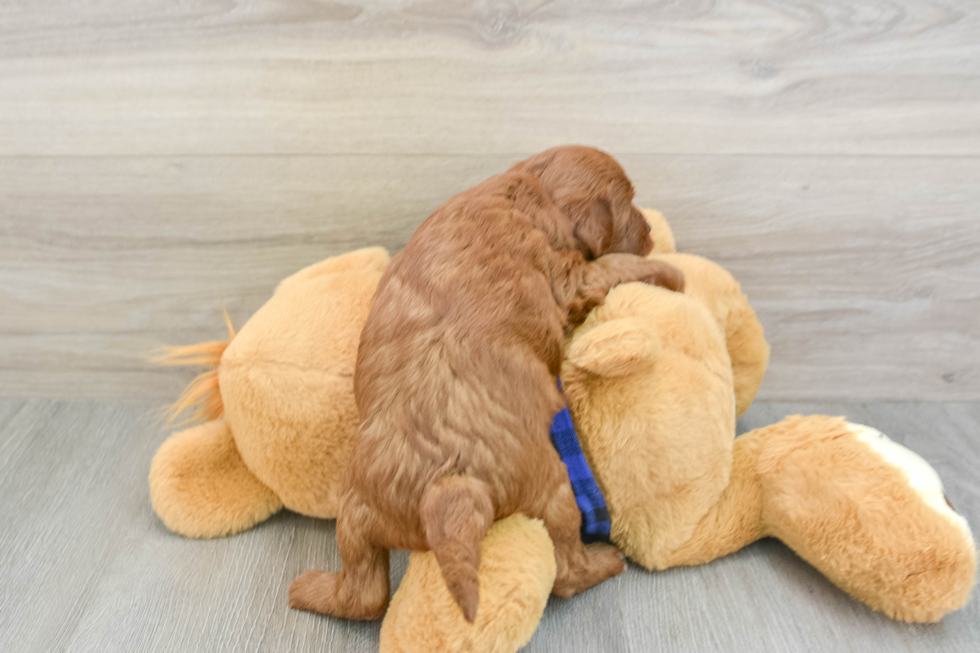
{"x": 654, "y": 385}
{"x": 654, "y": 380}
{"x": 279, "y": 406}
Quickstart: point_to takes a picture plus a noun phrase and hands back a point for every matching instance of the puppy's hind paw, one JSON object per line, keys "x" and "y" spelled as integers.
{"x": 605, "y": 560}
{"x": 313, "y": 591}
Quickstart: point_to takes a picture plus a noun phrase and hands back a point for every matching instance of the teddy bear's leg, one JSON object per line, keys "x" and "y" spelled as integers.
{"x": 739, "y": 518}
{"x": 736, "y": 520}
{"x": 866, "y": 512}
{"x": 871, "y": 515}
{"x": 517, "y": 570}
{"x": 200, "y": 487}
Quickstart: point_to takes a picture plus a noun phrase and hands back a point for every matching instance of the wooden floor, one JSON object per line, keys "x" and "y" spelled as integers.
{"x": 86, "y": 566}
{"x": 160, "y": 159}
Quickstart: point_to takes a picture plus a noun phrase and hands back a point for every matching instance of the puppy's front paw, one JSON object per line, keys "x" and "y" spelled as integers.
{"x": 579, "y": 307}
{"x": 664, "y": 275}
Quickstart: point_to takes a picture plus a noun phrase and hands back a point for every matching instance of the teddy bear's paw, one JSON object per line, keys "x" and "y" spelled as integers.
{"x": 200, "y": 487}
{"x": 926, "y": 554}
{"x": 922, "y": 477}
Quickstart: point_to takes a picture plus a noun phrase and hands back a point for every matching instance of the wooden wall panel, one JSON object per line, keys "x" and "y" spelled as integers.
{"x": 159, "y": 159}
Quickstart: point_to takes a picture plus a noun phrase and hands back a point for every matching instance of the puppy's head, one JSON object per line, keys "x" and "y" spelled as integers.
{"x": 596, "y": 196}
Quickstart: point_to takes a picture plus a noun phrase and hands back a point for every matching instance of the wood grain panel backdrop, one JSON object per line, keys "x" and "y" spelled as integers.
{"x": 158, "y": 159}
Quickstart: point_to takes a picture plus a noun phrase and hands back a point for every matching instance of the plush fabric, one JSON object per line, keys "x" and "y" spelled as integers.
{"x": 663, "y": 237}
{"x": 649, "y": 382}
{"x": 283, "y": 399}
{"x": 517, "y": 569}
{"x": 721, "y": 294}
{"x": 654, "y": 380}
{"x": 287, "y": 380}
{"x": 201, "y": 488}
{"x": 856, "y": 515}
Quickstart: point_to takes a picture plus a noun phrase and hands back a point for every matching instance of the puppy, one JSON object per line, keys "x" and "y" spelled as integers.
{"x": 456, "y": 378}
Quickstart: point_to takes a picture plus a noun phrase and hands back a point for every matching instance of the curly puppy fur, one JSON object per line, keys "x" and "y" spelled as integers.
{"x": 456, "y": 378}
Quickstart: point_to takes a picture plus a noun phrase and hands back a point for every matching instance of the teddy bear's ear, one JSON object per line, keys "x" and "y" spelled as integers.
{"x": 615, "y": 348}
{"x": 660, "y": 232}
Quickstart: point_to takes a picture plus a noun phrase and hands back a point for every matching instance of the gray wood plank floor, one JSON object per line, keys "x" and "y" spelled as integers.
{"x": 86, "y": 566}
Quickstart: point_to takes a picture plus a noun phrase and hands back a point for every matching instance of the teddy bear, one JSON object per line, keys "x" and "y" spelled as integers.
{"x": 865, "y": 511}
{"x": 277, "y": 409}
{"x": 652, "y": 379}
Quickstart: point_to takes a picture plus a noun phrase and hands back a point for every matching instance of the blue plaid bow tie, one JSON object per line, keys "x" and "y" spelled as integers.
{"x": 588, "y": 496}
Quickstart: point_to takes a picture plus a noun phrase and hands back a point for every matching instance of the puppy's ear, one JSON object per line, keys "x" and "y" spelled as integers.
{"x": 592, "y": 222}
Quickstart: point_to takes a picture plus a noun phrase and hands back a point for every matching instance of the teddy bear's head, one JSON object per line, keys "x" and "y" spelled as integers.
{"x": 660, "y": 232}
{"x": 721, "y": 294}
{"x": 649, "y": 381}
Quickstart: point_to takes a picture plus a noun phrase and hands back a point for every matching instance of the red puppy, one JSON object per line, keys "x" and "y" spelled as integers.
{"x": 456, "y": 378}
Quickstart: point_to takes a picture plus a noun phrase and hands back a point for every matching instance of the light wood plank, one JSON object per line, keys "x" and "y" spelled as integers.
{"x": 404, "y": 76}
{"x": 86, "y": 566}
{"x": 863, "y": 269}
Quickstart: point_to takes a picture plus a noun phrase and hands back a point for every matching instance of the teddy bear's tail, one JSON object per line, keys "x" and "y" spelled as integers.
{"x": 202, "y": 394}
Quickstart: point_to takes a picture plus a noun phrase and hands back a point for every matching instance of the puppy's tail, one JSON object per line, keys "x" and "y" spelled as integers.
{"x": 456, "y": 513}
